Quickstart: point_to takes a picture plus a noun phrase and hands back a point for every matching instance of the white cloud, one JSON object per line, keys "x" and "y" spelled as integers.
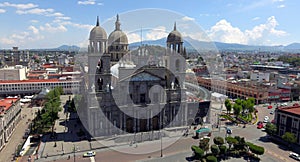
{"x": 34, "y": 21}
{"x": 133, "y": 37}
{"x": 157, "y": 33}
{"x": 2, "y": 10}
{"x": 255, "y": 18}
{"x": 30, "y": 35}
{"x": 100, "y": 4}
{"x": 52, "y": 29}
{"x": 33, "y": 29}
{"x": 87, "y": 2}
{"x": 56, "y": 14}
{"x": 82, "y": 26}
{"x": 7, "y": 41}
{"x": 223, "y": 31}
{"x": 281, "y": 6}
{"x": 18, "y": 6}
{"x": 37, "y": 11}
{"x": 186, "y": 18}
{"x": 63, "y": 18}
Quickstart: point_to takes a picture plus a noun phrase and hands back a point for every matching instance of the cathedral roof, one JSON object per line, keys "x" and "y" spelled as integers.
{"x": 174, "y": 36}
{"x": 98, "y": 33}
{"x": 117, "y": 36}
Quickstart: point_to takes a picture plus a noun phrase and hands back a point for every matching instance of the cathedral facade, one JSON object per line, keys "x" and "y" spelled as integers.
{"x": 129, "y": 97}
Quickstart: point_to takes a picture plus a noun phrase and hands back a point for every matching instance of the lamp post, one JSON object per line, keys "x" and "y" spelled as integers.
{"x": 74, "y": 151}
{"x": 219, "y": 123}
{"x": 160, "y": 130}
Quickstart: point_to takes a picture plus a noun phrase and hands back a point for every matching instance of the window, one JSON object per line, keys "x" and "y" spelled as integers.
{"x": 295, "y": 123}
{"x": 282, "y": 121}
{"x": 143, "y": 98}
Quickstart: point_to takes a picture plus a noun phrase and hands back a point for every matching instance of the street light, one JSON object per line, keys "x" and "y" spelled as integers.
{"x": 219, "y": 123}
{"x": 74, "y": 151}
{"x": 160, "y": 132}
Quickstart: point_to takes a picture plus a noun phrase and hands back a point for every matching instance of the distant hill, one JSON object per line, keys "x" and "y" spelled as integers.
{"x": 190, "y": 44}
{"x": 68, "y": 48}
{"x": 293, "y": 46}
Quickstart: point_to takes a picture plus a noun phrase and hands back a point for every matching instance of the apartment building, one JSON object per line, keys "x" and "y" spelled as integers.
{"x": 287, "y": 119}
{"x": 10, "y": 115}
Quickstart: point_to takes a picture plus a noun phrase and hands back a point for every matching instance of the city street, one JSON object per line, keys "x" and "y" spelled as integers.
{"x": 8, "y": 151}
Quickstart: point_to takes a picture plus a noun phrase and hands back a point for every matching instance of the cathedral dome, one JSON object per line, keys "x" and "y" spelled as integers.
{"x": 98, "y": 33}
{"x": 117, "y": 36}
{"x": 174, "y": 36}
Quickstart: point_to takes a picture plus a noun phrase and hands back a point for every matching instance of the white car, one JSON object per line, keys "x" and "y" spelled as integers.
{"x": 89, "y": 154}
{"x": 294, "y": 156}
{"x": 266, "y": 119}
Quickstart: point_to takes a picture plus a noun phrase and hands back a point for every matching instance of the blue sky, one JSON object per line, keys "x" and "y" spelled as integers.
{"x": 51, "y": 23}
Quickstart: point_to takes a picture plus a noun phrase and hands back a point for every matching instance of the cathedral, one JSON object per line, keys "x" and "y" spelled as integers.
{"x": 126, "y": 96}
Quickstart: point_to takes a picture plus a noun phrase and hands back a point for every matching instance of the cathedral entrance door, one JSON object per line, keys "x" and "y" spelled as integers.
{"x": 155, "y": 125}
{"x": 143, "y": 125}
{"x": 129, "y": 125}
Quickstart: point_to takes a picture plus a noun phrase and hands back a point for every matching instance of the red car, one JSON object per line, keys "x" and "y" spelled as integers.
{"x": 270, "y": 107}
{"x": 259, "y": 126}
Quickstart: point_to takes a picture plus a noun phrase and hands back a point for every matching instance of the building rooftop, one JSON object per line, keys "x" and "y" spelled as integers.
{"x": 31, "y": 81}
{"x": 5, "y": 104}
{"x": 291, "y": 109}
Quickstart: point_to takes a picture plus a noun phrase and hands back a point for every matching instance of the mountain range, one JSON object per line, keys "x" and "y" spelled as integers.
{"x": 192, "y": 44}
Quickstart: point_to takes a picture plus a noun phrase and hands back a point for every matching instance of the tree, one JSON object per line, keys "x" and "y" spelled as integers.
{"x": 228, "y": 106}
{"x": 244, "y": 105}
{"x": 237, "y": 109}
{"x": 238, "y": 101}
{"x": 289, "y": 138}
{"x": 198, "y": 152}
{"x": 219, "y": 141}
{"x": 271, "y": 129}
{"x": 231, "y": 141}
{"x": 215, "y": 149}
{"x": 204, "y": 144}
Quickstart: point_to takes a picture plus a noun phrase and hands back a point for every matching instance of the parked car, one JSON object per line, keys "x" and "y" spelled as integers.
{"x": 260, "y": 122}
{"x": 270, "y": 107}
{"x": 261, "y": 125}
{"x": 284, "y": 104}
{"x": 272, "y": 112}
{"x": 295, "y": 104}
{"x": 266, "y": 119}
{"x": 295, "y": 156}
{"x": 228, "y": 131}
{"x": 89, "y": 154}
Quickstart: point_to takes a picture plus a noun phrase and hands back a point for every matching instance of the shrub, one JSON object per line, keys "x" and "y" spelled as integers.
{"x": 215, "y": 149}
{"x": 223, "y": 149}
{"x": 197, "y": 151}
{"x": 218, "y": 141}
{"x": 211, "y": 159}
